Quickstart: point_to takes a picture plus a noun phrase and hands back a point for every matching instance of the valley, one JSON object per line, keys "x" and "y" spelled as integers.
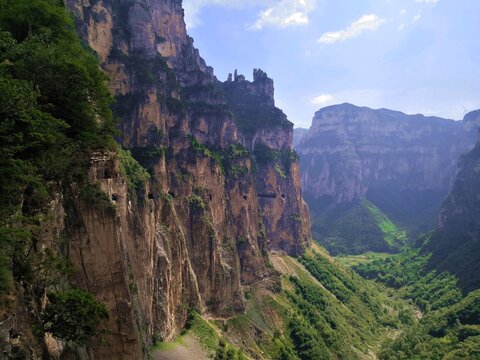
{"x": 317, "y": 310}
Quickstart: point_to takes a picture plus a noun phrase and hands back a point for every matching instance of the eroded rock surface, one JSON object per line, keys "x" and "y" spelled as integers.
{"x": 201, "y": 228}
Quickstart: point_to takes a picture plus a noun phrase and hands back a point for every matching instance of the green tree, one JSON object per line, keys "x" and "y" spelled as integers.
{"x": 73, "y": 315}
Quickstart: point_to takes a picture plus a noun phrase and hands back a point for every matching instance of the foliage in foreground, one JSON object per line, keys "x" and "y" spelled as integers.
{"x": 54, "y": 112}
{"x": 54, "y": 108}
{"x": 74, "y": 316}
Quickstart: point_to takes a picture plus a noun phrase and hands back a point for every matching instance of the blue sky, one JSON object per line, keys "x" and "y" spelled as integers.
{"x": 416, "y": 56}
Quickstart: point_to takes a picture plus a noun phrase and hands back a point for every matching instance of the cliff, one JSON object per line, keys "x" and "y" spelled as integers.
{"x": 350, "y": 149}
{"x": 403, "y": 164}
{"x": 455, "y": 245}
{"x": 201, "y": 228}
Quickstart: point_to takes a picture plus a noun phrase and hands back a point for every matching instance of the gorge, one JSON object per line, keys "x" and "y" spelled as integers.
{"x": 147, "y": 205}
{"x": 382, "y": 165}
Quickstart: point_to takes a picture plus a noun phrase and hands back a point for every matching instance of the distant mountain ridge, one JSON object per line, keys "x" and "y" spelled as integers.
{"x": 396, "y": 161}
{"x": 298, "y": 134}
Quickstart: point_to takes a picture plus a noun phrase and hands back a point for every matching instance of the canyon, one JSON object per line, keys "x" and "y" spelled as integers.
{"x": 402, "y": 164}
{"x": 148, "y": 206}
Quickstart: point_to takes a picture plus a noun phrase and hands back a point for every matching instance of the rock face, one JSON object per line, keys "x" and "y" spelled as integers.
{"x": 349, "y": 149}
{"x": 224, "y": 190}
{"x": 455, "y": 246}
{"x": 399, "y": 162}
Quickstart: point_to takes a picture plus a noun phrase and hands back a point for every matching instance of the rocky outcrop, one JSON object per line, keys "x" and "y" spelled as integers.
{"x": 201, "y": 228}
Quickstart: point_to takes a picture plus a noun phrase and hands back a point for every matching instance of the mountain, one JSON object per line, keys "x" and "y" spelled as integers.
{"x": 403, "y": 164}
{"x": 455, "y": 245}
{"x": 185, "y": 215}
{"x": 213, "y": 208}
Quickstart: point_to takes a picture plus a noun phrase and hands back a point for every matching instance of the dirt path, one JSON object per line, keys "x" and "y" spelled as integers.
{"x": 189, "y": 349}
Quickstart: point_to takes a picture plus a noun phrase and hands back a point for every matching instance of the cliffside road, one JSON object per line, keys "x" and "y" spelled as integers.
{"x": 189, "y": 349}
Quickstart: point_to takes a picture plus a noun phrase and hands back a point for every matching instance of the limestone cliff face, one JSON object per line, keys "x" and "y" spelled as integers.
{"x": 201, "y": 228}
{"x": 350, "y": 149}
{"x": 455, "y": 246}
{"x": 402, "y": 164}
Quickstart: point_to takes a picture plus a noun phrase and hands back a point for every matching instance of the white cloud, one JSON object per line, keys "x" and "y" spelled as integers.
{"x": 322, "y": 99}
{"x": 364, "y": 23}
{"x": 278, "y": 13}
{"x": 403, "y": 12}
{"x": 416, "y": 18}
{"x": 285, "y": 13}
{"x": 427, "y": 1}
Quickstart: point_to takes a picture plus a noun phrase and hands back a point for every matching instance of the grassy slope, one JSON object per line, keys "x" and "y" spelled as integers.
{"x": 392, "y": 234}
{"x": 333, "y": 313}
{"x": 356, "y": 228}
{"x": 414, "y": 210}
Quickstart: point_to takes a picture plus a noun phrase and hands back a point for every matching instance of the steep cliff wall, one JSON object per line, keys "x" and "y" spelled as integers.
{"x": 202, "y": 227}
{"x": 455, "y": 246}
{"x": 349, "y": 149}
{"x": 403, "y": 164}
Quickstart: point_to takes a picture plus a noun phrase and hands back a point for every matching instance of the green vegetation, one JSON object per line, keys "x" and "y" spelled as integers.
{"x": 413, "y": 210}
{"x": 280, "y": 172}
{"x": 73, "y": 316}
{"x": 320, "y": 311}
{"x": 209, "y": 337}
{"x": 281, "y": 160}
{"x": 449, "y": 327}
{"x": 148, "y": 156}
{"x": 353, "y": 260}
{"x": 54, "y": 113}
{"x": 227, "y": 352}
{"x": 355, "y": 228}
{"x": 136, "y": 175}
{"x": 452, "y": 332}
{"x": 407, "y": 272}
{"x": 391, "y": 233}
{"x": 203, "y": 150}
{"x": 308, "y": 346}
{"x": 232, "y": 160}
{"x": 265, "y": 155}
{"x": 94, "y": 195}
{"x": 196, "y": 201}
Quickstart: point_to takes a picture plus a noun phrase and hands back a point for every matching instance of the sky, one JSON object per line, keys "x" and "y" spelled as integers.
{"x": 416, "y": 56}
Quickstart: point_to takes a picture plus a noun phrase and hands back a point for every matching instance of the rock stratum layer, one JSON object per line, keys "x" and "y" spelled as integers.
{"x": 224, "y": 189}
